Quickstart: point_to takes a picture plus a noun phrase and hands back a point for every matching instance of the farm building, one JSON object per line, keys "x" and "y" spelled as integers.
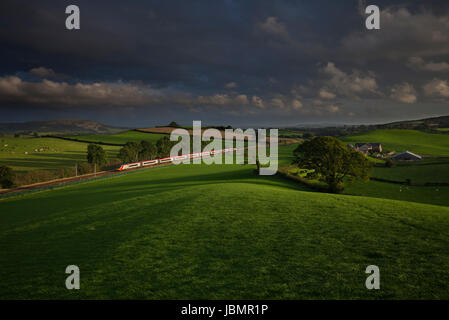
{"x": 377, "y": 147}
{"x": 366, "y": 147}
{"x": 406, "y": 156}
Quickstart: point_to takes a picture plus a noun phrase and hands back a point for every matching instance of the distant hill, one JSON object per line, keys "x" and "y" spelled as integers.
{"x": 431, "y": 125}
{"x": 63, "y": 126}
{"x": 427, "y": 123}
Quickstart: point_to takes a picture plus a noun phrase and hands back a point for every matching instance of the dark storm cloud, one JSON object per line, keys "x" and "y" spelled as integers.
{"x": 404, "y": 33}
{"x": 244, "y": 61}
{"x": 168, "y": 41}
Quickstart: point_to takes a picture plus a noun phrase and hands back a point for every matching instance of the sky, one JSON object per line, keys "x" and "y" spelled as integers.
{"x": 245, "y": 63}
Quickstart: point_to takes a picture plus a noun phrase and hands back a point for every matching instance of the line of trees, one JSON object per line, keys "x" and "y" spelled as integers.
{"x": 145, "y": 150}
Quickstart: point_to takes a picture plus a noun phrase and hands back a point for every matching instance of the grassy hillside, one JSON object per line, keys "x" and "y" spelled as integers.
{"x": 122, "y": 137}
{"x": 23, "y": 154}
{"x": 419, "y": 174}
{"x": 218, "y": 232}
{"x": 400, "y": 140}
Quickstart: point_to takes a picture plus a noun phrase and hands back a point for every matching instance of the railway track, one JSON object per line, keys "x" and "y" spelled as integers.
{"x": 58, "y": 182}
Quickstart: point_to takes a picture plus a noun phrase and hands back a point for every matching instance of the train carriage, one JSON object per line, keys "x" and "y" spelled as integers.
{"x": 150, "y": 163}
{"x": 171, "y": 159}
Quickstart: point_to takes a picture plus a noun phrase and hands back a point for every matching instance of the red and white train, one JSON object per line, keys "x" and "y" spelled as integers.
{"x": 171, "y": 159}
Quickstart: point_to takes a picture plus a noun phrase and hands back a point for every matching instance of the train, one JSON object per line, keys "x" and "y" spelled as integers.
{"x": 183, "y": 157}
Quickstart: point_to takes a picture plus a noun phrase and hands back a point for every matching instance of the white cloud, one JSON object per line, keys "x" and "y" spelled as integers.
{"x": 278, "y": 103}
{"x": 43, "y": 72}
{"x": 437, "y": 88}
{"x": 241, "y": 99}
{"x": 418, "y": 63}
{"x": 220, "y": 99}
{"x": 325, "y": 94}
{"x": 333, "y": 109}
{"x": 404, "y": 93}
{"x": 296, "y": 104}
{"x": 13, "y": 89}
{"x": 274, "y": 27}
{"x": 258, "y": 102}
{"x": 52, "y": 93}
{"x": 346, "y": 84}
{"x": 231, "y": 85}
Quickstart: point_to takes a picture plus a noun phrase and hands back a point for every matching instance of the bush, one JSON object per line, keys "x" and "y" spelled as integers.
{"x": 111, "y": 165}
{"x": 85, "y": 168}
{"x": 6, "y": 177}
{"x": 389, "y": 163}
{"x": 173, "y": 124}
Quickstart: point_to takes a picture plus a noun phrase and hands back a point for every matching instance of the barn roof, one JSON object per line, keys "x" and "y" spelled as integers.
{"x": 407, "y": 153}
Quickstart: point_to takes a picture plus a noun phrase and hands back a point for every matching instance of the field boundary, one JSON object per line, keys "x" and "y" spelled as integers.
{"x": 83, "y": 141}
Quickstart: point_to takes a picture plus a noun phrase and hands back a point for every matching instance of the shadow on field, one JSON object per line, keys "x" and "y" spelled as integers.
{"x": 49, "y": 164}
{"x": 41, "y": 160}
{"x": 127, "y": 187}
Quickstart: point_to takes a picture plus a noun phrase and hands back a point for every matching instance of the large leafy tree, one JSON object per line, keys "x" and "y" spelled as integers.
{"x": 6, "y": 177}
{"x": 96, "y": 154}
{"x": 329, "y": 160}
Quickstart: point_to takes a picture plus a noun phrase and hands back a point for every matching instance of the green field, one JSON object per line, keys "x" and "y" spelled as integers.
{"x": 24, "y": 154}
{"x": 289, "y": 133}
{"x": 418, "y": 174}
{"x": 122, "y": 138}
{"x": 218, "y": 232}
{"x": 419, "y": 142}
{"x": 430, "y": 170}
{"x": 437, "y": 195}
{"x": 384, "y": 190}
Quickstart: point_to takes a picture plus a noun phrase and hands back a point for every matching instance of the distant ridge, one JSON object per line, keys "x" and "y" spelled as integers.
{"x": 426, "y": 123}
{"x": 62, "y": 126}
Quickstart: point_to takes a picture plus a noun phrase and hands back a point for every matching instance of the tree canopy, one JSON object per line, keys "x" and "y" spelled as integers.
{"x": 96, "y": 154}
{"x": 6, "y": 177}
{"x": 174, "y": 124}
{"x": 329, "y": 160}
{"x": 148, "y": 151}
{"x": 164, "y": 146}
{"x": 145, "y": 150}
{"x": 129, "y": 152}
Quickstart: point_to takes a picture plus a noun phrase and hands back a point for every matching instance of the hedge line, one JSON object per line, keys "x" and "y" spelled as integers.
{"x": 84, "y": 141}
